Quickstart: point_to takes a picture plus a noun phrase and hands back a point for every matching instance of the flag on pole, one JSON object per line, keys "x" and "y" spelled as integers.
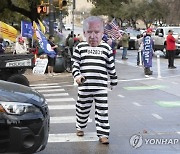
{"x": 35, "y": 26}
{"x": 114, "y": 24}
{"x": 46, "y": 25}
{"x": 112, "y": 30}
{"x": 26, "y": 29}
{"x": 7, "y": 31}
{"x": 42, "y": 27}
{"x": 44, "y": 44}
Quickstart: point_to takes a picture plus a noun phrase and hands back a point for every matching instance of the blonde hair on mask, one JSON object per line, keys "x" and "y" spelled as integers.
{"x": 92, "y": 19}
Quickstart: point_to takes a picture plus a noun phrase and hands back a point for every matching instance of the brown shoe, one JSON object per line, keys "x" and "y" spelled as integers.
{"x": 104, "y": 140}
{"x": 80, "y": 133}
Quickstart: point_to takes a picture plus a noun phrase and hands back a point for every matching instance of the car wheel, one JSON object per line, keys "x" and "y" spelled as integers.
{"x": 19, "y": 78}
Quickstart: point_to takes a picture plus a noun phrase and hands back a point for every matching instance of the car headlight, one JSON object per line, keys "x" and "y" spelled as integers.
{"x": 16, "y": 108}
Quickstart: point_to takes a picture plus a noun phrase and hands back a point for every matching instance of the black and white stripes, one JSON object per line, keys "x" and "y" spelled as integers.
{"x": 95, "y": 64}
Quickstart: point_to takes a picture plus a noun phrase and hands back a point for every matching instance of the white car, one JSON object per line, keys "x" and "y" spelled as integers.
{"x": 160, "y": 39}
{"x": 67, "y": 27}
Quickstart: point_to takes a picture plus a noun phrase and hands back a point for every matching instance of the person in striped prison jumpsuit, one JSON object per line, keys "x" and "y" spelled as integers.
{"x": 93, "y": 63}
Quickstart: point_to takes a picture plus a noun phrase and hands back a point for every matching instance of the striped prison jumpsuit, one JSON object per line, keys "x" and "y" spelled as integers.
{"x": 95, "y": 64}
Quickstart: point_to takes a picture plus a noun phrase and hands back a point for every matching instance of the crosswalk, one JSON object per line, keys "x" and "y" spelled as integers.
{"x": 58, "y": 99}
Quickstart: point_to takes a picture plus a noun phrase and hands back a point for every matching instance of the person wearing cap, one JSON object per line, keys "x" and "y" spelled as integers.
{"x": 147, "y": 51}
{"x": 20, "y": 46}
{"x": 170, "y": 47}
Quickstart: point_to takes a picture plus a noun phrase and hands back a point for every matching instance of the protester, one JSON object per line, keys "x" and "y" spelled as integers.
{"x": 140, "y": 48}
{"x": 171, "y": 47}
{"x": 76, "y": 40}
{"x": 125, "y": 44}
{"x": 20, "y": 46}
{"x": 70, "y": 43}
{"x": 80, "y": 38}
{"x": 147, "y": 51}
{"x": 51, "y": 60}
{"x": 111, "y": 43}
{"x": 92, "y": 62}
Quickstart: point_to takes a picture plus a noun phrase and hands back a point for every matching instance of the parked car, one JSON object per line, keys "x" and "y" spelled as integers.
{"x": 13, "y": 66}
{"x": 160, "y": 39}
{"x": 24, "y": 119}
{"x": 133, "y": 42}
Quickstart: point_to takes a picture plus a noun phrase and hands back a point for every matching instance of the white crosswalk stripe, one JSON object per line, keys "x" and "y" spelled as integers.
{"x": 54, "y": 93}
{"x": 50, "y": 90}
{"x": 61, "y": 107}
{"x": 67, "y": 119}
{"x": 72, "y": 137}
{"x": 43, "y": 87}
{"x": 60, "y": 99}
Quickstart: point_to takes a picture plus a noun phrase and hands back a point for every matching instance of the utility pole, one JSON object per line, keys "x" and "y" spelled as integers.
{"x": 60, "y": 20}
{"x": 73, "y": 8}
{"x": 51, "y": 18}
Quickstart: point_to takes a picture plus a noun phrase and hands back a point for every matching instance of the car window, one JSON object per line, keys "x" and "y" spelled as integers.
{"x": 157, "y": 32}
{"x": 176, "y": 30}
{"x": 133, "y": 33}
{"x": 161, "y": 31}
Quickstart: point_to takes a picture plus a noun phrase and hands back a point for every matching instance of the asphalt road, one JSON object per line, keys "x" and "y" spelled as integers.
{"x": 146, "y": 107}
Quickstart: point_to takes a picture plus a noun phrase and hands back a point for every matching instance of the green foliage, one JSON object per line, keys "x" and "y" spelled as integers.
{"x": 19, "y": 9}
{"x": 131, "y": 11}
{"x": 150, "y": 12}
{"x": 107, "y": 7}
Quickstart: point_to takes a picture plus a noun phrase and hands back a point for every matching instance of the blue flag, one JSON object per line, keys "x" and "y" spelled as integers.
{"x": 26, "y": 29}
{"x": 147, "y": 51}
{"x": 44, "y": 44}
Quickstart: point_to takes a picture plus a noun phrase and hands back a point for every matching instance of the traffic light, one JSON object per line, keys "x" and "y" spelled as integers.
{"x": 62, "y": 3}
{"x": 42, "y": 9}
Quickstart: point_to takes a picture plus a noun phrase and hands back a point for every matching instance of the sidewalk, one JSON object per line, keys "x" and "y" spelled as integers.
{"x": 34, "y": 78}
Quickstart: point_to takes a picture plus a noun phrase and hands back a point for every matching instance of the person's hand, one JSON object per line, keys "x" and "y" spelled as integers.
{"x": 80, "y": 79}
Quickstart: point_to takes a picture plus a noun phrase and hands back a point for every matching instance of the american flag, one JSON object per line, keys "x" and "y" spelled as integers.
{"x": 114, "y": 24}
{"x": 112, "y": 30}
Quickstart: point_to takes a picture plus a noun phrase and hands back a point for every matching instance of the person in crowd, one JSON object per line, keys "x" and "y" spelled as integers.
{"x": 80, "y": 37}
{"x": 92, "y": 63}
{"x": 51, "y": 60}
{"x": 125, "y": 45}
{"x": 2, "y": 49}
{"x": 76, "y": 40}
{"x": 68, "y": 52}
{"x": 147, "y": 52}
{"x": 171, "y": 47}
{"x": 140, "y": 48}
{"x": 71, "y": 44}
{"x": 111, "y": 43}
{"x": 20, "y": 46}
{"x": 114, "y": 47}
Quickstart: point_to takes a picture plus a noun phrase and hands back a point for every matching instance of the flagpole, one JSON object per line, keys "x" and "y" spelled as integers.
{"x": 51, "y": 18}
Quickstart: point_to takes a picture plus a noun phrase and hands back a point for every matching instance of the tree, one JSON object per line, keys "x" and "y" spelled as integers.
{"x": 151, "y": 12}
{"x": 27, "y": 8}
{"x": 173, "y": 15}
{"x": 132, "y": 10}
{"x": 107, "y": 7}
